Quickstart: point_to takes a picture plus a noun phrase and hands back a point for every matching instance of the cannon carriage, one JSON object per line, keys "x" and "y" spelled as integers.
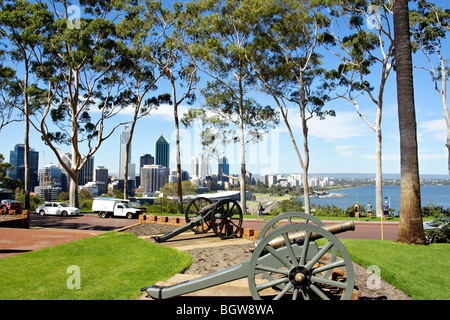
{"x": 223, "y": 217}
{"x": 297, "y": 260}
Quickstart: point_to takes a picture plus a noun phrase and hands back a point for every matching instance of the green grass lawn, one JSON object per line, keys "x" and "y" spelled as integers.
{"x": 422, "y": 272}
{"x": 113, "y": 266}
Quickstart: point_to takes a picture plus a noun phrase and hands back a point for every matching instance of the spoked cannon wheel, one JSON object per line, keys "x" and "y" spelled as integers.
{"x": 226, "y": 220}
{"x": 296, "y": 269}
{"x": 293, "y": 217}
{"x": 194, "y": 209}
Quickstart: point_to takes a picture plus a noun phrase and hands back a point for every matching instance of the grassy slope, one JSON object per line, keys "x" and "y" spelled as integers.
{"x": 419, "y": 271}
{"x": 112, "y": 266}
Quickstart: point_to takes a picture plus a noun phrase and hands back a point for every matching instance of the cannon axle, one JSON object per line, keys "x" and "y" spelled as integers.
{"x": 298, "y": 236}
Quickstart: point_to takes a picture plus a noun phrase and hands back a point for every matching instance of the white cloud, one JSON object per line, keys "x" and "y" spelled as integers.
{"x": 431, "y": 156}
{"x": 434, "y": 129}
{"x": 384, "y": 156}
{"x": 345, "y": 150}
{"x": 343, "y": 126}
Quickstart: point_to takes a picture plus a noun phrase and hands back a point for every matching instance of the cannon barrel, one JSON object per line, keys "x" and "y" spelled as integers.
{"x": 296, "y": 236}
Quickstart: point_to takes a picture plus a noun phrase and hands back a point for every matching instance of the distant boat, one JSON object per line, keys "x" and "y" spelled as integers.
{"x": 325, "y": 194}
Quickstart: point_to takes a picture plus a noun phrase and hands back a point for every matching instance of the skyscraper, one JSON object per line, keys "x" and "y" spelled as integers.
{"x": 102, "y": 179}
{"x": 87, "y": 172}
{"x": 17, "y": 159}
{"x": 223, "y": 168}
{"x": 162, "y": 151}
{"x": 199, "y": 167}
{"x": 146, "y": 159}
{"x": 153, "y": 177}
{"x": 124, "y": 136}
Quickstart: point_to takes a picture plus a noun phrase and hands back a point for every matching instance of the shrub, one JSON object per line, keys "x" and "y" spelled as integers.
{"x": 290, "y": 206}
{"x": 438, "y": 235}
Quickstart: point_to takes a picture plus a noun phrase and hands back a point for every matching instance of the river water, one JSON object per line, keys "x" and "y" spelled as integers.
{"x": 430, "y": 194}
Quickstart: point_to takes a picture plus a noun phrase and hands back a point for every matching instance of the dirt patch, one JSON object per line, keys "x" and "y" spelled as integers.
{"x": 149, "y": 229}
{"x": 208, "y": 260}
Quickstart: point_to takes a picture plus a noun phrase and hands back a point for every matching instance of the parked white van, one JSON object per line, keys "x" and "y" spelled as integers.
{"x": 106, "y": 207}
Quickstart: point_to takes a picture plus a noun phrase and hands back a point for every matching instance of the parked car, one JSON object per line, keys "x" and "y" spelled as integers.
{"x": 57, "y": 208}
{"x": 438, "y": 223}
{"x": 9, "y": 204}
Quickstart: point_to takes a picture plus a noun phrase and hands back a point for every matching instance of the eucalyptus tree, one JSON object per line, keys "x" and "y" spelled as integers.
{"x": 363, "y": 34}
{"x": 410, "y": 224}
{"x": 221, "y": 33}
{"x": 140, "y": 43}
{"x": 287, "y": 62}
{"x": 430, "y": 27}
{"x": 24, "y": 26}
{"x": 178, "y": 67}
{"x": 7, "y": 110}
{"x": 82, "y": 83}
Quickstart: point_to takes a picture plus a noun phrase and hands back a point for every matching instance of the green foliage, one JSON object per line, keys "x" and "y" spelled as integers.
{"x": 115, "y": 194}
{"x": 327, "y": 210}
{"x": 164, "y": 208}
{"x": 170, "y": 191}
{"x": 84, "y": 194}
{"x": 34, "y": 199}
{"x": 5, "y": 181}
{"x": 63, "y": 196}
{"x": 86, "y": 204}
{"x": 290, "y": 206}
{"x": 432, "y": 210}
{"x": 438, "y": 235}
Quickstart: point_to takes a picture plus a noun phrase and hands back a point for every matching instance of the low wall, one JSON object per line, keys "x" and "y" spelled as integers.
{"x": 13, "y": 220}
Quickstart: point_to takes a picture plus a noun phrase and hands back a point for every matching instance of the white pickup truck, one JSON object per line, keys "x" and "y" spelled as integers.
{"x": 106, "y": 207}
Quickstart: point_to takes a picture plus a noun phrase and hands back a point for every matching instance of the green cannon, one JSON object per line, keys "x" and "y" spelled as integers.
{"x": 294, "y": 260}
{"x": 224, "y": 217}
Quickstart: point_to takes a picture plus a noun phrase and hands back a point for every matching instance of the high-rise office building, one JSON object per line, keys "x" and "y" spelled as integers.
{"x": 223, "y": 168}
{"x": 66, "y": 158}
{"x": 124, "y": 136}
{"x": 264, "y": 179}
{"x": 162, "y": 151}
{"x": 102, "y": 179}
{"x": 199, "y": 167}
{"x": 131, "y": 179}
{"x": 153, "y": 177}
{"x": 17, "y": 159}
{"x": 146, "y": 159}
{"x": 87, "y": 172}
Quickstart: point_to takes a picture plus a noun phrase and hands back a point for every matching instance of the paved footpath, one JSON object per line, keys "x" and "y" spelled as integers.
{"x": 15, "y": 241}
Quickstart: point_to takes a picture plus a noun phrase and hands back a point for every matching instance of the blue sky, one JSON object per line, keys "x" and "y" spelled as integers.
{"x": 341, "y": 144}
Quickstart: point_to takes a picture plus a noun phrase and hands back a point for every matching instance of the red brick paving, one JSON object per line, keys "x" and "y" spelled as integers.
{"x": 15, "y": 241}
